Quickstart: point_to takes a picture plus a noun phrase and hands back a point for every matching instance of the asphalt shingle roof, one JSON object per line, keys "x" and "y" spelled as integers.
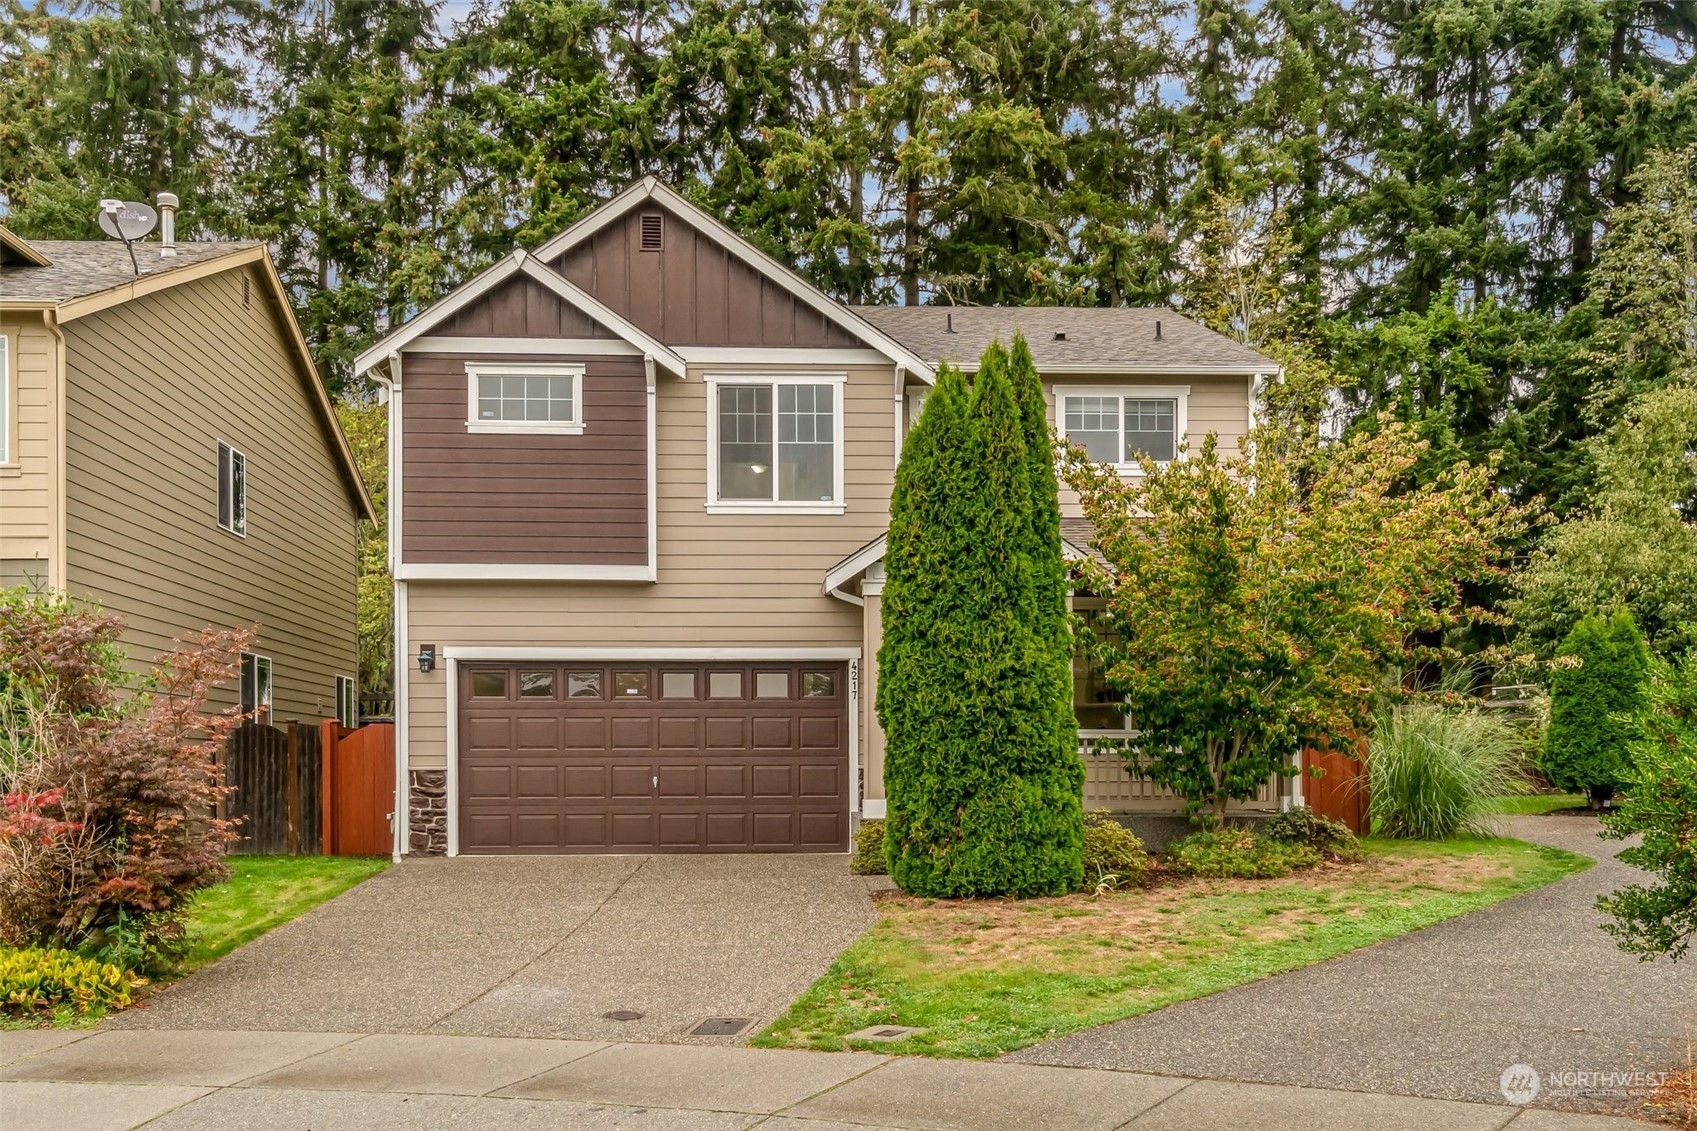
{"x": 86, "y": 267}
{"x": 1119, "y": 336}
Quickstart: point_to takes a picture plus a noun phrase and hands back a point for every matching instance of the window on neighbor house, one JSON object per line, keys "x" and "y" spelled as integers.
{"x": 1123, "y": 426}
{"x": 347, "y": 701}
{"x": 776, "y": 443}
{"x": 256, "y": 687}
{"x": 232, "y": 489}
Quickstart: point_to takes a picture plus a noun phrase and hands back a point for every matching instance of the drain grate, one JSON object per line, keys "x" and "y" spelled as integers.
{"x": 721, "y": 1027}
{"x": 885, "y": 1033}
{"x": 623, "y": 1015}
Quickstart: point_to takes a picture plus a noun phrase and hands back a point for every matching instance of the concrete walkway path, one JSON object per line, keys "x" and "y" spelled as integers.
{"x": 1438, "y": 1013}
{"x": 538, "y": 947}
{"x": 211, "y": 1081}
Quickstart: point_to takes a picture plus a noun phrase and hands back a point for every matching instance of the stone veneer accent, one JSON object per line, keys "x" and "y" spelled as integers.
{"x": 427, "y": 813}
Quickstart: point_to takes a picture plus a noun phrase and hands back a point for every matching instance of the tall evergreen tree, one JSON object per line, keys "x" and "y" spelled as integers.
{"x": 984, "y": 794}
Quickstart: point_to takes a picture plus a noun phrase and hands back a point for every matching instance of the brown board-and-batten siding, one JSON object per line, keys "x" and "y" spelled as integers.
{"x": 692, "y": 291}
{"x": 501, "y": 498}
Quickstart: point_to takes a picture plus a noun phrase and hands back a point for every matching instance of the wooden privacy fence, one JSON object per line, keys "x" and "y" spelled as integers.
{"x": 302, "y": 789}
{"x": 278, "y": 777}
{"x": 1339, "y": 789}
{"x": 359, "y": 789}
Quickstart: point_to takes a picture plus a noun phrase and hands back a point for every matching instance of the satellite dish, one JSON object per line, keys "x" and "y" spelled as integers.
{"x": 126, "y": 219}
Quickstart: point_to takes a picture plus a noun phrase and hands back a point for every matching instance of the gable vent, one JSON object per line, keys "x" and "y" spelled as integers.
{"x": 653, "y": 231}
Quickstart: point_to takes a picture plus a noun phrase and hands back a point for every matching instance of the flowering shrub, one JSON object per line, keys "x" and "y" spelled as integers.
{"x": 108, "y": 822}
{"x": 35, "y": 979}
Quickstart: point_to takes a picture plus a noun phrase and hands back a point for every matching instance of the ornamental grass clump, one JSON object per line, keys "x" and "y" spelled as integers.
{"x": 1433, "y": 771}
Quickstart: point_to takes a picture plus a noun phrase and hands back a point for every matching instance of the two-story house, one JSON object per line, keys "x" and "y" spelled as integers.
{"x": 168, "y": 452}
{"x": 641, "y": 479}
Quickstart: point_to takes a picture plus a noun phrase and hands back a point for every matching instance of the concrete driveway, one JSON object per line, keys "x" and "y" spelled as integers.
{"x": 1440, "y": 1012}
{"x": 538, "y": 947}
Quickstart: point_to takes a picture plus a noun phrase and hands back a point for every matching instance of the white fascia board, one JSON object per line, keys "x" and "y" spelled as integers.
{"x": 756, "y": 355}
{"x": 471, "y": 571}
{"x": 751, "y": 655}
{"x": 846, "y": 570}
{"x": 1114, "y": 369}
{"x": 610, "y": 347}
{"x": 650, "y": 189}
{"x": 438, "y": 312}
{"x": 575, "y": 295}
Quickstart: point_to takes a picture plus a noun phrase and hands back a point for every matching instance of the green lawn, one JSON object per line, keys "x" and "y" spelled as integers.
{"x": 1536, "y": 804}
{"x": 264, "y": 892}
{"x": 984, "y": 977}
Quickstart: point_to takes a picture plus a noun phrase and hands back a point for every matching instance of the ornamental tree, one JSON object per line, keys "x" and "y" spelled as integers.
{"x": 1253, "y": 605}
{"x": 1596, "y": 689}
{"x": 1661, "y": 806}
{"x": 974, "y": 693}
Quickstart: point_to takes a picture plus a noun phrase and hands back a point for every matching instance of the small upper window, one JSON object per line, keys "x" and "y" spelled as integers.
{"x": 525, "y": 398}
{"x": 232, "y": 489}
{"x": 256, "y": 687}
{"x": 1124, "y": 426}
{"x": 5, "y": 399}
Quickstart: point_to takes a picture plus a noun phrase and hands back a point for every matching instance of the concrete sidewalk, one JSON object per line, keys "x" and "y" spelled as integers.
{"x": 289, "y": 1081}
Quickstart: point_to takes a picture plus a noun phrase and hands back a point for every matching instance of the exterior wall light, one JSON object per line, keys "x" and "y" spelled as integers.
{"x": 426, "y": 658}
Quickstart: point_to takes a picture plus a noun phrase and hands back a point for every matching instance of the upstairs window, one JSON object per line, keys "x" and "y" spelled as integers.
{"x": 524, "y": 398}
{"x": 775, "y": 444}
{"x": 232, "y": 489}
{"x": 1124, "y": 425}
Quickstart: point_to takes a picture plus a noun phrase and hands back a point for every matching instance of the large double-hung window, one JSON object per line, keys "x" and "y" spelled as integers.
{"x": 1122, "y": 426}
{"x": 776, "y": 444}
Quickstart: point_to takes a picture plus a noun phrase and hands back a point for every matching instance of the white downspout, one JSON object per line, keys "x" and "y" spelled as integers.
{"x": 402, "y": 661}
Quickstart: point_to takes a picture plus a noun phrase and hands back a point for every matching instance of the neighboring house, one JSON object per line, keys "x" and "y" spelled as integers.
{"x": 642, "y": 476}
{"x": 168, "y": 451}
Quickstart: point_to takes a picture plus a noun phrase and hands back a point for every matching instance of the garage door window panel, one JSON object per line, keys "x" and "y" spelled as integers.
{"x": 489, "y": 685}
{"x": 677, "y": 685}
{"x": 630, "y": 685}
{"x": 724, "y": 685}
{"x": 583, "y": 685}
{"x": 772, "y": 685}
{"x": 536, "y": 685}
{"x": 818, "y": 685}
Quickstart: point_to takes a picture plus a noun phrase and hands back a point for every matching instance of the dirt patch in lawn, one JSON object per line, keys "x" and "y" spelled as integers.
{"x": 1086, "y": 933}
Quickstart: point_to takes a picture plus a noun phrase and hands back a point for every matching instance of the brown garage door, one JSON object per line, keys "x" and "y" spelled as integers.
{"x": 621, "y": 757}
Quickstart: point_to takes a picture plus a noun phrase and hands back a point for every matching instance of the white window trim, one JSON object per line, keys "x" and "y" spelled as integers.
{"x": 754, "y": 506}
{"x": 351, "y": 719}
{"x": 268, "y": 700}
{"x": 8, "y": 410}
{"x": 1179, "y": 394}
{"x": 477, "y": 369}
{"x": 235, "y": 453}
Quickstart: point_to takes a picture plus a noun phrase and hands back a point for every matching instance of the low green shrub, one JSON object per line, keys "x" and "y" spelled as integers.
{"x": 1434, "y": 772}
{"x": 1302, "y": 825}
{"x": 1113, "y": 855}
{"x": 868, "y": 856}
{"x": 37, "y": 979}
{"x": 1238, "y": 854}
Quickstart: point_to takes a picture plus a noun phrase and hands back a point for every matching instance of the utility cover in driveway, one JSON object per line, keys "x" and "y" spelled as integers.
{"x": 638, "y": 757}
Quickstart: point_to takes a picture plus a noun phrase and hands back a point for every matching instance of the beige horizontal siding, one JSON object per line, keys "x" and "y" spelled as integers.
{"x": 27, "y": 475}
{"x": 152, "y": 386}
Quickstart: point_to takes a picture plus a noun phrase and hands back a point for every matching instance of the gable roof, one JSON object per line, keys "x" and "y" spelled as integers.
{"x": 74, "y": 269}
{"x": 15, "y": 249}
{"x": 84, "y": 277}
{"x": 650, "y": 189}
{"x": 477, "y": 286}
{"x": 1071, "y": 339}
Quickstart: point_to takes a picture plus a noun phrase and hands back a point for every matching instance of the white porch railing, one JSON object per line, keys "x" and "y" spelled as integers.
{"x": 1107, "y": 785}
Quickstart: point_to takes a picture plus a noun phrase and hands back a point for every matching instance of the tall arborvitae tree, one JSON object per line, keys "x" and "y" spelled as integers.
{"x": 116, "y": 98}
{"x": 982, "y": 770}
{"x": 1596, "y": 693}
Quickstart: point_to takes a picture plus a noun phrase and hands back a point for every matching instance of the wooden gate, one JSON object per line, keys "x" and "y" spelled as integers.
{"x": 359, "y": 789}
{"x": 276, "y": 773}
{"x": 1339, "y": 790}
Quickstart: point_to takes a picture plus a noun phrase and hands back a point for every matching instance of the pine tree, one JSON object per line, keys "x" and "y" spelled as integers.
{"x": 1597, "y": 690}
{"x": 984, "y": 794}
